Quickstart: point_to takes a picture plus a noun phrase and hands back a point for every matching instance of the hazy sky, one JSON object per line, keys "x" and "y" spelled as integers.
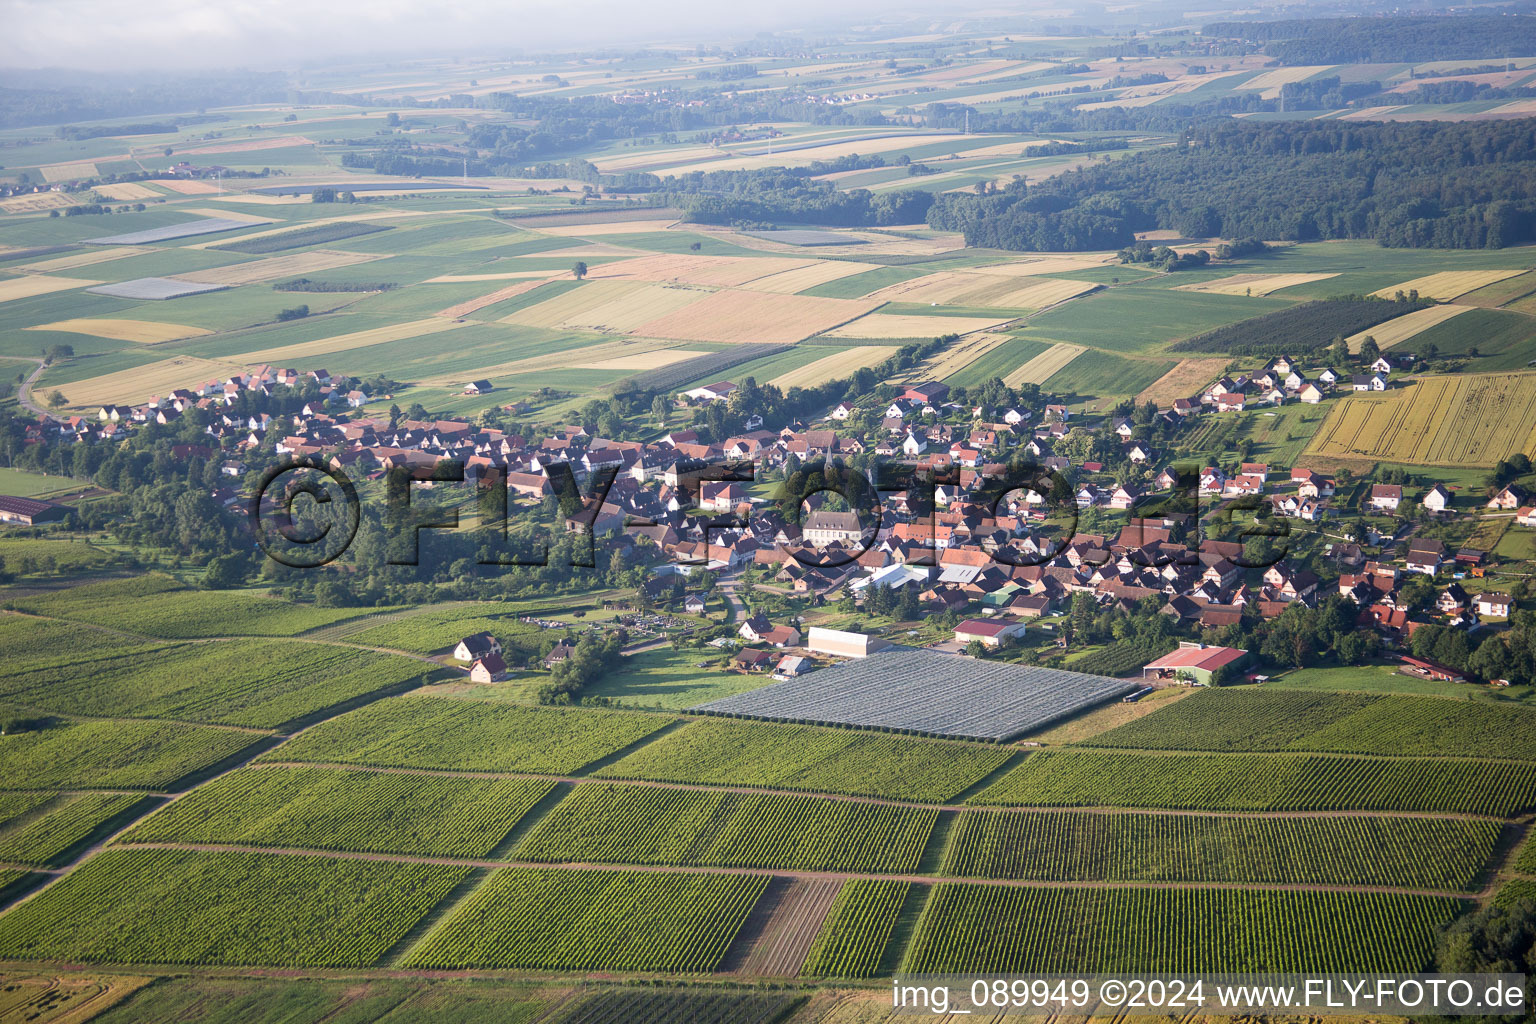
{"x": 115, "y": 35}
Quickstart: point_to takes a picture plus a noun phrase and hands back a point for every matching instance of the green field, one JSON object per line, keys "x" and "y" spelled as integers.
{"x": 999, "y": 362}
{"x": 343, "y": 809}
{"x": 1103, "y": 375}
{"x": 715, "y": 751}
{"x": 618, "y": 824}
{"x": 109, "y": 754}
{"x": 180, "y": 907}
{"x": 857, "y": 929}
{"x": 1143, "y": 317}
{"x": 590, "y": 920}
{"x": 671, "y": 679}
{"x": 18, "y": 483}
{"x": 1064, "y": 846}
{"x": 1263, "y": 782}
{"x": 26, "y": 557}
{"x": 54, "y": 826}
{"x": 971, "y": 928}
{"x": 462, "y": 735}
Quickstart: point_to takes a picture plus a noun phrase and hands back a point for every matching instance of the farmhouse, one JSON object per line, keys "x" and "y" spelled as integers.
{"x": 30, "y": 512}
{"x": 489, "y": 669}
{"x": 1438, "y": 499}
{"x": 478, "y": 387}
{"x": 1386, "y": 497}
{"x": 1195, "y": 660}
{"x": 1510, "y": 498}
{"x": 477, "y": 646}
{"x": 843, "y": 644}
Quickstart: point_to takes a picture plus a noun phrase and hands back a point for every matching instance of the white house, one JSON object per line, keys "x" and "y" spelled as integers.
{"x": 1495, "y": 605}
{"x": 1386, "y": 497}
{"x": 1438, "y": 499}
{"x": 715, "y": 392}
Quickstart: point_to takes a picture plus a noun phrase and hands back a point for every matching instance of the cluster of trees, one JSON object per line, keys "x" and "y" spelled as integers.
{"x": 81, "y": 132}
{"x": 305, "y": 284}
{"x": 1459, "y": 91}
{"x": 1164, "y": 258}
{"x": 1300, "y": 636}
{"x": 1486, "y": 655}
{"x": 1465, "y": 185}
{"x": 594, "y": 655}
{"x": 1324, "y": 93}
{"x": 1384, "y": 40}
{"x": 776, "y": 195}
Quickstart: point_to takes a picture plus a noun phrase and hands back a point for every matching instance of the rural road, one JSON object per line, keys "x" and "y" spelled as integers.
{"x": 24, "y": 393}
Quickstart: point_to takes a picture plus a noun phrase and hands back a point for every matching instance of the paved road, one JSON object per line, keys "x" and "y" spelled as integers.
{"x": 24, "y": 393}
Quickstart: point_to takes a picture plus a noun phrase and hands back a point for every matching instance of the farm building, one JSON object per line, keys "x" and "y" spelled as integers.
{"x": 930, "y": 693}
{"x": 1426, "y": 669}
{"x": 716, "y": 392}
{"x": 992, "y": 632}
{"x": 1198, "y": 661}
{"x": 842, "y": 644}
{"x": 477, "y": 646}
{"x": 478, "y": 387}
{"x": 790, "y": 666}
{"x": 489, "y": 669}
{"x": 30, "y": 512}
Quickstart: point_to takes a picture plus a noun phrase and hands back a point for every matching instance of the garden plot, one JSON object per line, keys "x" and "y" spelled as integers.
{"x": 930, "y": 693}
{"x": 1395, "y": 332}
{"x": 893, "y": 325}
{"x": 155, "y": 288}
{"x": 148, "y": 332}
{"x": 1044, "y": 366}
{"x": 759, "y": 317}
{"x": 171, "y": 232}
{"x": 277, "y": 267}
{"x": 1448, "y": 284}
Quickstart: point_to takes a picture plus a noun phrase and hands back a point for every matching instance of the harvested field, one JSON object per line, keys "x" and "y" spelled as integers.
{"x": 615, "y": 307}
{"x": 147, "y": 332}
{"x": 140, "y": 382}
{"x": 37, "y": 284}
{"x": 756, "y": 317}
{"x": 88, "y": 258}
{"x": 789, "y": 282}
{"x": 303, "y": 350}
{"x": 68, "y": 172}
{"x": 1472, "y": 419}
{"x": 156, "y": 288}
{"x": 127, "y": 192}
{"x": 840, "y": 364}
{"x": 628, "y": 348}
{"x": 1448, "y": 284}
{"x": 213, "y": 211}
{"x": 893, "y": 325}
{"x": 957, "y": 356}
{"x": 1501, "y": 293}
{"x": 645, "y": 360}
{"x": 1183, "y": 381}
{"x": 618, "y": 227}
{"x": 1269, "y": 82}
{"x": 1252, "y": 284}
{"x": 1045, "y": 365}
{"x": 714, "y": 271}
{"x": 187, "y": 187}
{"x": 1045, "y": 265}
{"x": 510, "y": 275}
{"x": 944, "y": 288}
{"x": 278, "y": 267}
{"x": 248, "y": 145}
{"x": 469, "y": 306}
{"x": 171, "y": 232}
{"x": 37, "y": 202}
{"x": 1395, "y": 332}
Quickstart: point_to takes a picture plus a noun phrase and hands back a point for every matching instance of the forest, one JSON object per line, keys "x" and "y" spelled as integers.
{"x": 1385, "y": 40}
{"x": 1410, "y": 185}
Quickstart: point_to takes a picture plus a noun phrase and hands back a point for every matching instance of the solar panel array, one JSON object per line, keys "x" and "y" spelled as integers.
{"x": 186, "y": 229}
{"x": 155, "y": 288}
{"x": 928, "y": 692}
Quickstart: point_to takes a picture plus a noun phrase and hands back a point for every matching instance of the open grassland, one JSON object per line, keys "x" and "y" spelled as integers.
{"x": 1043, "y": 366}
{"x": 723, "y": 752}
{"x": 114, "y": 754}
{"x": 896, "y": 325}
{"x": 841, "y": 363}
{"x": 255, "y": 683}
{"x": 1501, "y": 292}
{"x": 1263, "y": 782}
{"x": 591, "y": 920}
{"x": 462, "y": 735}
{"x": 1472, "y": 419}
{"x": 758, "y": 317}
{"x": 1410, "y": 325}
{"x": 1252, "y": 284}
{"x": 1448, "y": 284}
{"x": 1354, "y": 723}
{"x": 260, "y": 909}
{"x": 46, "y": 833}
{"x": 1185, "y": 380}
{"x": 1503, "y": 339}
{"x": 12, "y": 288}
{"x": 148, "y": 332}
{"x": 346, "y": 809}
{"x": 276, "y": 267}
{"x": 618, "y": 824}
{"x": 972, "y": 928}
{"x": 1065, "y": 846}
{"x": 1137, "y": 317}
{"x": 134, "y": 385}
{"x": 157, "y": 605}
{"x": 857, "y": 929}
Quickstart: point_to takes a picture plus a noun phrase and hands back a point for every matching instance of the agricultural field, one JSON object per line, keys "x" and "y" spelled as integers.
{"x": 720, "y": 751}
{"x": 48, "y": 827}
{"x": 857, "y": 929}
{"x": 107, "y": 754}
{"x": 1445, "y": 855}
{"x": 1301, "y": 331}
{"x": 344, "y": 809}
{"x": 1184, "y": 380}
{"x": 590, "y": 920}
{"x": 1447, "y": 285}
{"x": 669, "y": 680}
{"x": 261, "y": 684}
{"x": 1043, "y": 366}
{"x": 972, "y": 928}
{"x": 622, "y": 824}
{"x": 315, "y": 234}
{"x": 461, "y": 735}
{"x": 1263, "y": 782}
{"x": 1472, "y": 419}
{"x": 1406, "y": 327}
{"x": 146, "y": 332}
{"x": 839, "y": 364}
{"x": 195, "y": 908}
{"x": 52, "y": 558}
